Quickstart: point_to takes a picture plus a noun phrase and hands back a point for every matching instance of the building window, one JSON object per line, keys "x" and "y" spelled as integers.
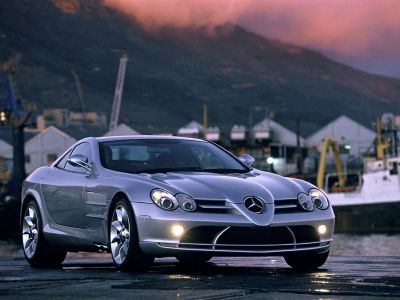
{"x": 51, "y": 158}
{"x": 27, "y": 159}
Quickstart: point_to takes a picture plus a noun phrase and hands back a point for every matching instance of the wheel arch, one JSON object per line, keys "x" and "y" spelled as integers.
{"x": 118, "y": 196}
{"x": 30, "y": 196}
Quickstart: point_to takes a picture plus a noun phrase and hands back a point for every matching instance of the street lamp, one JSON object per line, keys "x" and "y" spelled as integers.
{"x": 270, "y": 160}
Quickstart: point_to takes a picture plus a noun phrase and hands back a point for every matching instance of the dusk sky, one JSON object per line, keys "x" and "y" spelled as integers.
{"x": 362, "y": 33}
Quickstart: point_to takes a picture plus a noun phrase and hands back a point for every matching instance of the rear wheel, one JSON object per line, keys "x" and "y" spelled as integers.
{"x": 306, "y": 260}
{"x": 124, "y": 241}
{"x": 38, "y": 252}
{"x": 193, "y": 258}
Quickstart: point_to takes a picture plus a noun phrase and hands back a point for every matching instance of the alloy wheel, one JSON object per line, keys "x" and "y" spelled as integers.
{"x": 120, "y": 234}
{"x": 30, "y": 231}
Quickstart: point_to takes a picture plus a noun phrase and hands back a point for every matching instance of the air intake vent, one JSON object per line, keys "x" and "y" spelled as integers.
{"x": 287, "y": 206}
{"x": 213, "y": 206}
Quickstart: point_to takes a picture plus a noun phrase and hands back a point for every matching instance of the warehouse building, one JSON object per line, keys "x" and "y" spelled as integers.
{"x": 351, "y": 135}
{"x": 45, "y": 147}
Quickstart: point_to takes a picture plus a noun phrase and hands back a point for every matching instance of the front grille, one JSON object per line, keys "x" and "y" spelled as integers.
{"x": 287, "y": 206}
{"x": 256, "y": 239}
{"x": 201, "y": 235}
{"x": 213, "y": 206}
{"x": 223, "y": 207}
{"x": 256, "y": 236}
{"x": 251, "y": 235}
{"x": 305, "y": 234}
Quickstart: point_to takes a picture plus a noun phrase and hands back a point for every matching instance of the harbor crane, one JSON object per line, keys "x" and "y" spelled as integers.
{"x": 119, "y": 87}
{"x": 12, "y": 113}
{"x": 79, "y": 90}
{"x": 330, "y": 143}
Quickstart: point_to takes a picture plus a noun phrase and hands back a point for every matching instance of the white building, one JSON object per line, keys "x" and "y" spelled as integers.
{"x": 238, "y": 133}
{"x": 269, "y": 129}
{"x": 191, "y": 129}
{"x": 45, "y": 147}
{"x": 6, "y": 150}
{"x": 213, "y": 134}
{"x": 282, "y": 145}
{"x": 121, "y": 129}
{"x": 6, "y": 154}
{"x": 345, "y": 131}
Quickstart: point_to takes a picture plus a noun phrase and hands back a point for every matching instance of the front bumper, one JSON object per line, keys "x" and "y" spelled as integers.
{"x": 230, "y": 234}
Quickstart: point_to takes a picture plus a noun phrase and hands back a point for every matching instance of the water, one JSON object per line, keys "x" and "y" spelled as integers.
{"x": 366, "y": 245}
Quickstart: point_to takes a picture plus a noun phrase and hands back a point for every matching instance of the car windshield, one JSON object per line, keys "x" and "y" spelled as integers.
{"x": 167, "y": 155}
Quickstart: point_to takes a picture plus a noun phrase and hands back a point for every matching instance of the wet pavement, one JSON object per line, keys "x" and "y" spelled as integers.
{"x": 93, "y": 276}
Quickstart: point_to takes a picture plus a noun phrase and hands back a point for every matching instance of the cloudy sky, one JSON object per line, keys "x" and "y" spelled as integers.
{"x": 362, "y": 33}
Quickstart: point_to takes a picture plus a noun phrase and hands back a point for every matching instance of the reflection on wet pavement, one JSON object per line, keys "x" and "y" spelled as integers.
{"x": 222, "y": 278}
{"x": 88, "y": 275}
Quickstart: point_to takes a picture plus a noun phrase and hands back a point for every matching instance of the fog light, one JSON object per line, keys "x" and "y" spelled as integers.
{"x": 177, "y": 230}
{"x": 322, "y": 229}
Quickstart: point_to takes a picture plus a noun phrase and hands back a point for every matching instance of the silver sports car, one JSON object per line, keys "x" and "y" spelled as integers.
{"x": 152, "y": 196}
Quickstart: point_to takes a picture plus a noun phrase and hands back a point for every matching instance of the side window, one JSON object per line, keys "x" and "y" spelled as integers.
{"x": 82, "y": 149}
{"x": 63, "y": 161}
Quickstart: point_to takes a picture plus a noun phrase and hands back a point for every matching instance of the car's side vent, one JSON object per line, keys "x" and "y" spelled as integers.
{"x": 287, "y": 206}
{"x": 213, "y": 206}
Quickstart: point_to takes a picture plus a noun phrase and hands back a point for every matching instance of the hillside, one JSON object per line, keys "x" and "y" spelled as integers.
{"x": 172, "y": 73}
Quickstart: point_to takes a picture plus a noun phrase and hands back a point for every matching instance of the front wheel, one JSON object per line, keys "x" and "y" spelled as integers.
{"x": 124, "y": 241}
{"x": 306, "y": 261}
{"x": 38, "y": 252}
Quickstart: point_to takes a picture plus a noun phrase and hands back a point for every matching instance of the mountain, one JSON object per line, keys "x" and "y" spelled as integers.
{"x": 171, "y": 73}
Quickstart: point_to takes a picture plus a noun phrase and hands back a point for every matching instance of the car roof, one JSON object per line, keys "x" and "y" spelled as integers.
{"x": 143, "y": 137}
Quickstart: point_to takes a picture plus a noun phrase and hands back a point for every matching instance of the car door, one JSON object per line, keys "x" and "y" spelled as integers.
{"x": 63, "y": 189}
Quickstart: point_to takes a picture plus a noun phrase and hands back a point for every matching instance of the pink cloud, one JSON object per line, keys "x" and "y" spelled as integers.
{"x": 348, "y": 29}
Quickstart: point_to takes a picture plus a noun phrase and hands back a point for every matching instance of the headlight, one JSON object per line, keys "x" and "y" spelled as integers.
{"x": 186, "y": 202}
{"x": 164, "y": 199}
{"x": 319, "y": 199}
{"x": 305, "y": 202}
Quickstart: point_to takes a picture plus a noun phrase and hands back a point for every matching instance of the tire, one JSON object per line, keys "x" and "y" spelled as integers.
{"x": 193, "y": 258}
{"x": 38, "y": 252}
{"x": 306, "y": 261}
{"x": 124, "y": 241}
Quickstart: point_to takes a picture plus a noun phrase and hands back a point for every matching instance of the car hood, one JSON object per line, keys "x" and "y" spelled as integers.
{"x": 233, "y": 187}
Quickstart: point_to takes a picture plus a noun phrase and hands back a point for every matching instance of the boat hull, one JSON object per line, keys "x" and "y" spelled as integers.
{"x": 368, "y": 218}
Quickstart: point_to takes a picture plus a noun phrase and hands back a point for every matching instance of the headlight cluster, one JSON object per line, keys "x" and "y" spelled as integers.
{"x": 314, "y": 198}
{"x": 168, "y": 201}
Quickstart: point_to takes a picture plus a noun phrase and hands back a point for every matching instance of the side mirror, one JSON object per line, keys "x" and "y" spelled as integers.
{"x": 79, "y": 160}
{"x": 247, "y": 159}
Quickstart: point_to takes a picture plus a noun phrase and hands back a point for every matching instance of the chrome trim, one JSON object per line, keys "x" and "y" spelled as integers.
{"x": 293, "y": 236}
{"x": 285, "y": 206}
{"x": 214, "y": 241}
{"x": 214, "y": 206}
{"x": 312, "y": 246}
{"x": 245, "y": 245}
{"x": 254, "y": 204}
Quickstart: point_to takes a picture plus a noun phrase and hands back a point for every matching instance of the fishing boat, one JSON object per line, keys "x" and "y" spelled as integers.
{"x": 374, "y": 205}
{"x": 368, "y": 201}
